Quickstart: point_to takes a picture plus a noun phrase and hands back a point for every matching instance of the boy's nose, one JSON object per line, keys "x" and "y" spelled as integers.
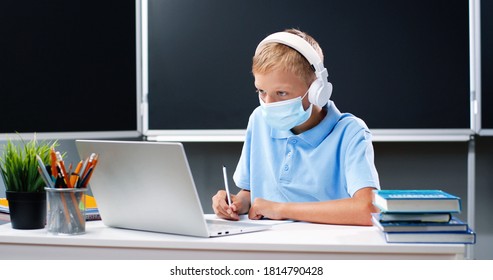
{"x": 268, "y": 99}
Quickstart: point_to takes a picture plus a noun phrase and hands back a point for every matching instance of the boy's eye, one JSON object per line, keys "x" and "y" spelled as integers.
{"x": 282, "y": 93}
{"x": 260, "y": 91}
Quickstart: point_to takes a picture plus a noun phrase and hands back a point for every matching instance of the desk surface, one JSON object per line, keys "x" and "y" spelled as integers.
{"x": 283, "y": 241}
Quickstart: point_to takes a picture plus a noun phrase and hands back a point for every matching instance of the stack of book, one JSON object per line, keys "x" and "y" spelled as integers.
{"x": 420, "y": 216}
{"x": 92, "y": 211}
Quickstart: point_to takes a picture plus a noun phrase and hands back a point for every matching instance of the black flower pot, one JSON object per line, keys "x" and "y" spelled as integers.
{"x": 27, "y": 209}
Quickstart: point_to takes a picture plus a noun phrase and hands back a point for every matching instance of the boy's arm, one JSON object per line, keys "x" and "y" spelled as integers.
{"x": 349, "y": 211}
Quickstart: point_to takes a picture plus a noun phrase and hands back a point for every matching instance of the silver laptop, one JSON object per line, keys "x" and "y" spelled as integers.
{"x": 149, "y": 186}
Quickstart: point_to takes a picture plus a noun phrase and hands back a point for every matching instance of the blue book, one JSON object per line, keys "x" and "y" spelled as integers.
{"x": 416, "y": 201}
{"x": 414, "y": 217}
{"x": 453, "y": 225}
{"x": 464, "y": 237}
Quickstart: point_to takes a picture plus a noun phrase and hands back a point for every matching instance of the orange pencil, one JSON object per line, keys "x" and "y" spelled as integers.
{"x": 74, "y": 176}
{"x": 63, "y": 169}
{"x": 65, "y": 207}
{"x": 76, "y": 207}
{"x": 54, "y": 172}
{"x": 90, "y": 162}
{"x": 95, "y": 162}
{"x": 90, "y": 171}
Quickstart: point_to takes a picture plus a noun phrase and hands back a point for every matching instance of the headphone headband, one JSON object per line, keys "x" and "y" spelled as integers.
{"x": 320, "y": 90}
{"x": 297, "y": 43}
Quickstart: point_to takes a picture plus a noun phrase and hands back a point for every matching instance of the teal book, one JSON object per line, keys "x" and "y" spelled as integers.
{"x": 464, "y": 237}
{"x": 454, "y": 224}
{"x": 416, "y": 201}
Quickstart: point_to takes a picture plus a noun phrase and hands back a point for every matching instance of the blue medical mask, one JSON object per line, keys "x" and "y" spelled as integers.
{"x": 284, "y": 115}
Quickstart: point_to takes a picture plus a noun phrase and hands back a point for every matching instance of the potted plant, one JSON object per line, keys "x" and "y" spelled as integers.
{"x": 24, "y": 185}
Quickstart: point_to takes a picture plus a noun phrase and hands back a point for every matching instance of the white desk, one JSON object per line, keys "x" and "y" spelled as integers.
{"x": 283, "y": 241}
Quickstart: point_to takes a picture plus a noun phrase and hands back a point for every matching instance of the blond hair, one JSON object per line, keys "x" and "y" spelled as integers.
{"x": 274, "y": 56}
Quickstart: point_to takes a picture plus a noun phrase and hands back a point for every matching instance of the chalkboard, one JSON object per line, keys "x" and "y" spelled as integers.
{"x": 68, "y": 66}
{"x": 396, "y": 64}
{"x": 486, "y": 65}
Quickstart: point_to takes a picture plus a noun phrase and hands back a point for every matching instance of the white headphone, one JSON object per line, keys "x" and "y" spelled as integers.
{"x": 320, "y": 90}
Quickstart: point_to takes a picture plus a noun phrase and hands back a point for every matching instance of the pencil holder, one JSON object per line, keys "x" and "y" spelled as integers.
{"x": 66, "y": 208}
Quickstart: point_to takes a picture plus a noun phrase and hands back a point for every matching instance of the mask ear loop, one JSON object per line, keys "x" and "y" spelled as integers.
{"x": 306, "y": 93}
{"x": 311, "y": 104}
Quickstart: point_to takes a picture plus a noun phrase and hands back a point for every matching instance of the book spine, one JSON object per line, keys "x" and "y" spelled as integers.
{"x": 93, "y": 217}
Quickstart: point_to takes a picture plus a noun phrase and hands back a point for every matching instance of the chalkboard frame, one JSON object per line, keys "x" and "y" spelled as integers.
{"x": 484, "y": 69}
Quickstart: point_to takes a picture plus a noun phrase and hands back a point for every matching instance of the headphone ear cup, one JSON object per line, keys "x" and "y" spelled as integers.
{"x": 318, "y": 94}
{"x": 328, "y": 89}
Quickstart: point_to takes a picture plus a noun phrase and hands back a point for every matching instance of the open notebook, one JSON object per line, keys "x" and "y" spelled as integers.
{"x": 156, "y": 178}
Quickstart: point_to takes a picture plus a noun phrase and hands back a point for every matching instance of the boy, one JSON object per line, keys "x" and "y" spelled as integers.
{"x": 302, "y": 159}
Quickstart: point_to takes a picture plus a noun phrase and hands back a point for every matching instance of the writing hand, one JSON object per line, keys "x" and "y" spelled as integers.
{"x": 221, "y": 207}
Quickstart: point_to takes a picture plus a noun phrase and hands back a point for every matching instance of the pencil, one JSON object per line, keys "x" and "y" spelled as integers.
{"x": 53, "y": 162}
{"x": 63, "y": 169}
{"x": 75, "y": 175}
{"x": 225, "y": 175}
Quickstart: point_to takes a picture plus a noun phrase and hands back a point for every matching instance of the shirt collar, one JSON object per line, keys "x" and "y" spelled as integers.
{"x": 318, "y": 133}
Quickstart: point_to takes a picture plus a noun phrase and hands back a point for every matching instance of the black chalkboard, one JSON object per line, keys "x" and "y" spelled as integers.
{"x": 486, "y": 65}
{"x": 396, "y": 64}
{"x": 68, "y": 66}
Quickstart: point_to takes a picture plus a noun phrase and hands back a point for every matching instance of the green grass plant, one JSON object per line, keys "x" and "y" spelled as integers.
{"x": 19, "y": 166}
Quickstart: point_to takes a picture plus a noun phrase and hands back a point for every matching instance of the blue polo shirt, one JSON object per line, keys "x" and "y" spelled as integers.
{"x": 330, "y": 161}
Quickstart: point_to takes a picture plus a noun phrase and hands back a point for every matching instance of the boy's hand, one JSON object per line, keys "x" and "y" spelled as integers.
{"x": 221, "y": 207}
{"x": 265, "y": 208}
